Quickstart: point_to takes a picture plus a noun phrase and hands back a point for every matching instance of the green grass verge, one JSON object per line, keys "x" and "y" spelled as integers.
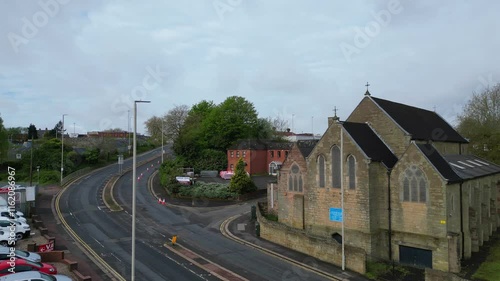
{"x": 490, "y": 269}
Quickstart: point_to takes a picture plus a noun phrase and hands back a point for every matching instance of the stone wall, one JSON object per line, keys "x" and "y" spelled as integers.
{"x": 327, "y": 250}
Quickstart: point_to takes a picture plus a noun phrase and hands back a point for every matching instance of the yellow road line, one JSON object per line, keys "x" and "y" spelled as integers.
{"x": 100, "y": 262}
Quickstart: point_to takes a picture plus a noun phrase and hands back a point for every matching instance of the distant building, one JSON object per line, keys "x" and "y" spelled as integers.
{"x": 260, "y": 156}
{"x": 108, "y": 134}
{"x": 294, "y": 137}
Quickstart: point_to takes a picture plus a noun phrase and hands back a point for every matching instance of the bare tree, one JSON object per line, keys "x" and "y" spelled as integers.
{"x": 479, "y": 122}
{"x": 173, "y": 121}
{"x": 279, "y": 124}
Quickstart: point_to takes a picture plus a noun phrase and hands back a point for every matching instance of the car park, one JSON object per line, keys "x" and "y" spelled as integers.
{"x": 5, "y": 253}
{"x": 21, "y": 265}
{"x": 34, "y": 276}
{"x": 7, "y": 209}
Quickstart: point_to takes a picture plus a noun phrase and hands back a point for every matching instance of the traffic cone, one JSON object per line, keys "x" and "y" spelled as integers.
{"x": 163, "y": 202}
{"x": 159, "y": 201}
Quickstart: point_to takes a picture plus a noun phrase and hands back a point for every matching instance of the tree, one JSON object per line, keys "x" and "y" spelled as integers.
{"x": 32, "y": 132}
{"x": 173, "y": 121}
{"x": 232, "y": 120}
{"x": 55, "y": 132}
{"x": 480, "y": 123}
{"x": 4, "y": 142}
{"x": 189, "y": 141}
{"x": 153, "y": 127}
{"x": 241, "y": 182}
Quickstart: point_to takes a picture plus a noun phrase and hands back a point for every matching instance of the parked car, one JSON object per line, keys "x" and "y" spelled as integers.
{"x": 25, "y": 265}
{"x": 34, "y": 276}
{"x": 7, "y": 214}
{"x": 5, "y": 208}
{"x": 6, "y": 251}
{"x": 22, "y": 229}
{"x": 5, "y": 238}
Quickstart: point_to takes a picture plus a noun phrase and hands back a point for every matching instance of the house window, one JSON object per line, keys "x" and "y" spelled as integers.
{"x": 295, "y": 179}
{"x": 415, "y": 186}
{"x": 272, "y": 153}
{"x": 286, "y": 153}
{"x": 279, "y": 154}
{"x": 321, "y": 171}
{"x": 273, "y": 168}
{"x": 244, "y": 153}
{"x": 452, "y": 203}
{"x": 231, "y": 167}
{"x": 238, "y": 154}
{"x": 351, "y": 165}
{"x": 335, "y": 166}
{"x": 232, "y": 154}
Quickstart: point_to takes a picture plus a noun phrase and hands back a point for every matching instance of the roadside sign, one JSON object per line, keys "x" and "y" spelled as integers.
{"x": 336, "y": 214}
{"x": 46, "y": 247}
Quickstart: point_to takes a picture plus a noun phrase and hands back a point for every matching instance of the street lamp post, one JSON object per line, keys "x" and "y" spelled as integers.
{"x": 62, "y": 148}
{"x": 128, "y": 131}
{"x": 162, "y": 140}
{"x": 134, "y": 179}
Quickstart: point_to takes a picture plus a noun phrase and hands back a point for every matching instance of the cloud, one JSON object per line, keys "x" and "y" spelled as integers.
{"x": 283, "y": 56}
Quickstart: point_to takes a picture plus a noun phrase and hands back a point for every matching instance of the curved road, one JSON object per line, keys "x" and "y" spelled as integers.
{"x": 108, "y": 233}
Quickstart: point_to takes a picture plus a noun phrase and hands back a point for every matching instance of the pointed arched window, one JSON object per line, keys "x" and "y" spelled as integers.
{"x": 321, "y": 171}
{"x": 351, "y": 165}
{"x": 336, "y": 166}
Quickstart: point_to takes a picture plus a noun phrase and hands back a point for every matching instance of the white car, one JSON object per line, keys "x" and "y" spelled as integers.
{"x": 5, "y": 253}
{"x": 7, "y": 215}
{"x": 6, "y": 240}
{"x": 6, "y": 209}
{"x": 34, "y": 276}
{"x": 21, "y": 229}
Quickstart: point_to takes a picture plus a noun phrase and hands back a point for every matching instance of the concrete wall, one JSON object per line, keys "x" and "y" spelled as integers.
{"x": 327, "y": 250}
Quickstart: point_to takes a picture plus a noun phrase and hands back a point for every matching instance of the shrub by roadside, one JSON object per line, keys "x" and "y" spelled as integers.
{"x": 207, "y": 190}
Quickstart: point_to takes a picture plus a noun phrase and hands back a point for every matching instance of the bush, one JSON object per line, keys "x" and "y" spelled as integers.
{"x": 49, "y": 177}
{"x": 207, "y": 190}
{"x": 241, "y": 183}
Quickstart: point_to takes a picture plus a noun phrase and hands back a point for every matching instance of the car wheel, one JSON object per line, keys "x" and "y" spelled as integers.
{"x": 19, "y": 236}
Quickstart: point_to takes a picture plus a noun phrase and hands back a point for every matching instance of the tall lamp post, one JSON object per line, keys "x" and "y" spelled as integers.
{"x": 128, "y": 131}
{"x": 134, "y": 179}
{"x": 62, "y": 148}
{"x": 162, "y": 140}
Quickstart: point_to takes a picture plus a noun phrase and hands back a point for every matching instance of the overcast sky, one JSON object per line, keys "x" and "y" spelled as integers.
{"x": 91, "y": 59}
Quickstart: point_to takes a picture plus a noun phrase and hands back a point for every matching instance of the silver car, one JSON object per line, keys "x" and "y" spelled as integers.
{"x": 25, "y": 255}
{"x": 34, "y": 276}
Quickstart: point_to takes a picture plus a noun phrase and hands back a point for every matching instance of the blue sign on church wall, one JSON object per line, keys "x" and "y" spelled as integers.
{"x": 336, "y": 214}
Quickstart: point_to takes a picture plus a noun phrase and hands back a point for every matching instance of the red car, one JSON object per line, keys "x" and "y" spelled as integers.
{"x": 19, "y": 265}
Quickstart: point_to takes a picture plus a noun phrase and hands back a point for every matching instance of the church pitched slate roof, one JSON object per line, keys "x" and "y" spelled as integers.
{"x": 370, "y": 143}
{"x": 306, "y": 146}
{"x": 420, "y": 123}
{"x": 439, "y": 162}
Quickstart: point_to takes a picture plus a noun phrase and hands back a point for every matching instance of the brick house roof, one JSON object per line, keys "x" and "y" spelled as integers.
{"x": 256, "y": 144}
{"x": 420, "y": 123}
{"x": 370, "y": 143}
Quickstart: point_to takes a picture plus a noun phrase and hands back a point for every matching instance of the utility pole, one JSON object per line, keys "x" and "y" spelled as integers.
{"x": 31, "y": 162}
{"x": 62, "y": 148}
{"x": 162, "y": 140}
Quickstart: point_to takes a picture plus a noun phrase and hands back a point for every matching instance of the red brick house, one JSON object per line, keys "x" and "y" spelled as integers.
{"x": 260, "y": 156}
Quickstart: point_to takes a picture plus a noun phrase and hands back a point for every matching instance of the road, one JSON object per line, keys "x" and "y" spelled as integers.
{"x": 108, "y": 234}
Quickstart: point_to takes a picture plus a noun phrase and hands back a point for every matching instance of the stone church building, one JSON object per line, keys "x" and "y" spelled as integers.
{"x": 412, "y": 193}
